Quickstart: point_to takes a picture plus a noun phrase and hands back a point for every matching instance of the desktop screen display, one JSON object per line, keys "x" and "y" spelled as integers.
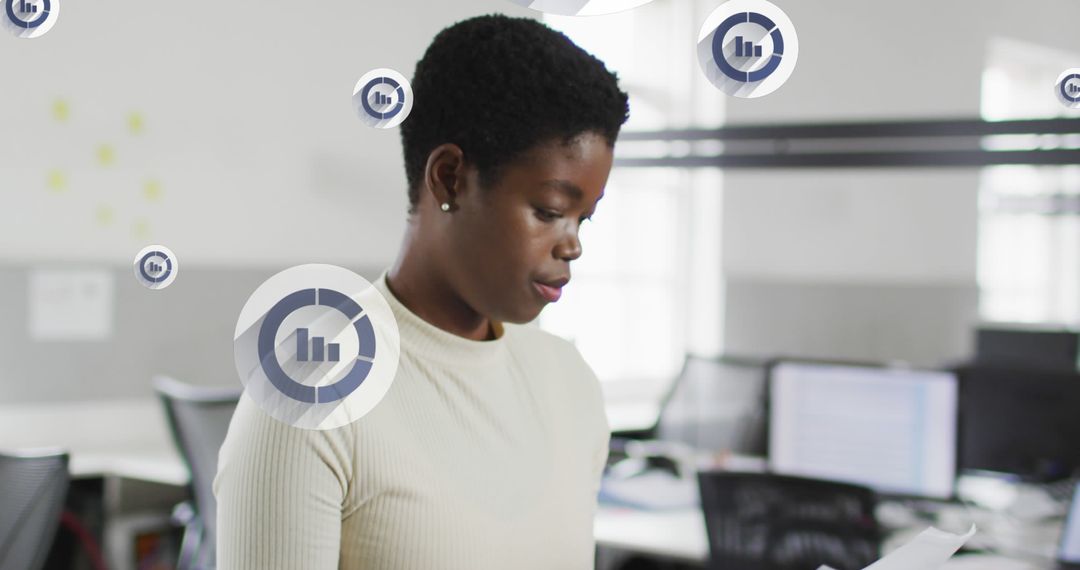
{"x": 1070, "y": 536}
{"x": 893, "y": 430}
{"x": 1019, "y": 421}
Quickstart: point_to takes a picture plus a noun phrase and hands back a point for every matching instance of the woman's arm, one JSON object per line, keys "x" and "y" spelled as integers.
{"x": 280, "y": 492}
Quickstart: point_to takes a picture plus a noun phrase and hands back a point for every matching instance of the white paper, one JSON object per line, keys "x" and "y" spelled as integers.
{"x": 70, "y": 304}
{"x": 927, "y": 551}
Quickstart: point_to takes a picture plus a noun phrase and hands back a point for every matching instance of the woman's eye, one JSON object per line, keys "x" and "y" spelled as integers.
{"x": 547, "y": 215}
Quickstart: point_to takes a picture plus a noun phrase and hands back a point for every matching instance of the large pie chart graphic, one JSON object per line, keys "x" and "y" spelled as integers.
{"x": 580, "y": 7}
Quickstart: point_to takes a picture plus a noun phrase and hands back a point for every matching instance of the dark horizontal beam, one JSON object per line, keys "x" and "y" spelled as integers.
{"x": 926, "y": 128}
{"x": 862, "y": 159}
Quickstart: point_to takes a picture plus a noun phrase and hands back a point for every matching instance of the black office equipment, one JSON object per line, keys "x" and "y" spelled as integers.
{"x": 1026, "y": 347}
{"x": 1019, "y": 421}
{"x": 32, "y": 490}
{"x": 716, "y": 405}
{"x": 758, "y": 521}
{"x": 911, "y": 144}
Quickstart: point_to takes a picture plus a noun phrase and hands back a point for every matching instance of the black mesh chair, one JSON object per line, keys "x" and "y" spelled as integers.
{"x": 758, "y": 521}
{"x": 199, "y": 418}
{"x": 33, "y": 486}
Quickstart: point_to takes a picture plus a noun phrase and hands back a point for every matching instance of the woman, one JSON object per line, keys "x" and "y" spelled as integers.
{"x": 487, "y": 451}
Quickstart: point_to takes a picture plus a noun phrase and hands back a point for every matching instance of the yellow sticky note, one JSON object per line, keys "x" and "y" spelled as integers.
{"x": 135, "y": 123}
{"x": 104, "y": 215}
{"x": 141, "y": 229}
{"x": 56, "y": 181}
{"x": 60, "y": 110}
{"x": 152, "y": 190}
{"x": 106, "y": 155}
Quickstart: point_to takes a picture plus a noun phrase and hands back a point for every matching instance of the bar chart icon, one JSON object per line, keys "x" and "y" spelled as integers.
{"x": 1073, "y": 88}
{"x": 30, "y": 18}
{"x": 154, "y": 267}
{"x": 381, "y": 98}
{"x": 746, "y": 48}
{"x": 320, "y": 351}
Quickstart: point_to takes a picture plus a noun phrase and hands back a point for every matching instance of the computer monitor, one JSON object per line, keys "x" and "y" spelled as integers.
{"x": 891, "y": 429}
{"x": 717, "y": 404}
{"x": 1027, "y": 347}
{"x": 1019, "y": 421}
{"x": 1069, "y": 550}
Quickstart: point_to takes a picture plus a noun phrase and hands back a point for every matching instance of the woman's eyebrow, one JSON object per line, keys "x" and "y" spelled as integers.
{"x": 566, "y": 187}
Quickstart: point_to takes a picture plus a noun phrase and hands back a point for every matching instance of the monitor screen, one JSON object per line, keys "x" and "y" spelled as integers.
{"x": 1044, "y": 349}
{"x": 891, "y": 429}
{"x": 1070, "y": 535}
{"x": 1019, "y": 421}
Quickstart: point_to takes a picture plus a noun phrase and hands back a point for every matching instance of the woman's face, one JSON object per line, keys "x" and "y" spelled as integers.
{"x": 511, "y": 243}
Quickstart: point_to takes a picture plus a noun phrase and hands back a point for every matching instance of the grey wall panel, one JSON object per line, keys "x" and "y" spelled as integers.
{"x": 924, "y": 324}
{"x": 184, "y": 331}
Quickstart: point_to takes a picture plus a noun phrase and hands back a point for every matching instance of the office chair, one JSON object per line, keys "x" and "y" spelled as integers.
{"x": 716, "y": 404}
{"x": 33, "y": 487}
{"x": 199, "y": 419}
{"x": 760, "y": 521}
{"x": 713, "y": 405}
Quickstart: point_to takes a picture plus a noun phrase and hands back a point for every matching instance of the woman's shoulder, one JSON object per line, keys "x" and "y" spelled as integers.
{"x": 534, "y": 339}
{"x": 551, "y": 353}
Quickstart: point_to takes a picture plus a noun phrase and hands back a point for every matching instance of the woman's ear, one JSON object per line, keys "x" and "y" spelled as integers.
{"x": 444, "y": 173}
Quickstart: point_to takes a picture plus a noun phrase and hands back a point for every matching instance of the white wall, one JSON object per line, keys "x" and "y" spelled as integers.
{"x": 261, "y": 161}
{"x": 837, "y": 262}
{"x": 248, "y": 127}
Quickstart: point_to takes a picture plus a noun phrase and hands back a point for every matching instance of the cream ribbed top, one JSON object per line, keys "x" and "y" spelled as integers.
{"x": 482, "y": 455}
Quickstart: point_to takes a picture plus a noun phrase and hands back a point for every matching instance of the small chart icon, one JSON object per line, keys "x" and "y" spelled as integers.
{"x": 382, "y": 98}
{"x": 316, "y": 346}
{"x": 1067, "y": 88}
{"x": 30, "y": 18}
{"x": 156, "y": 267}
{"x": 580, "y": 7}
{"x": 748, "y": 48}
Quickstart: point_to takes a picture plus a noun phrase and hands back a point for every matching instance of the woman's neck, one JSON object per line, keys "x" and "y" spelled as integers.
{"x": 424, "y": 291}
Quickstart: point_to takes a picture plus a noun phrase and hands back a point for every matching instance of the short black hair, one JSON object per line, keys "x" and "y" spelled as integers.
{"x": 497, "y": 86}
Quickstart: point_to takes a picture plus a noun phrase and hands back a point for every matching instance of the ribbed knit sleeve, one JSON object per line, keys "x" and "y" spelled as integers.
{"x": 280, "y": 492}
{"x": 483, "y": 455}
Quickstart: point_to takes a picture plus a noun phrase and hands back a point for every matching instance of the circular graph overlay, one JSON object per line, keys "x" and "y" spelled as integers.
{"x": 1067, "y": 88}
{"x": 156, "y": 267}
{"x": 30, "y": 18}
{"x": 580, "y": 7}
{"x": 748, "y": 48}
{"x": 316, "y": 346}
{"x": 382, "y": 98}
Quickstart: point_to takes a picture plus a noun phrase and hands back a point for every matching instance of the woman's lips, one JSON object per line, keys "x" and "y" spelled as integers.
{"x": 551, "y": 294}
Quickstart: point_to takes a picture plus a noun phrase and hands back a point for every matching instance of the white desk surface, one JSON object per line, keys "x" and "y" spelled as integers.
{"x": 120, "y": 438}
{"x": 671, "y": 534}
{"x": 680, "y": 534}
{"x": 157, "y": 466}
{"x": 632, "y": 416}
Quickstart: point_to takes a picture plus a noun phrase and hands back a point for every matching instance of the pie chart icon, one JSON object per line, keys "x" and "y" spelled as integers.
{"x": 580, "y": 7}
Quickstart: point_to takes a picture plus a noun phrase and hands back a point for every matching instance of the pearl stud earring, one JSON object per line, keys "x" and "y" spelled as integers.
{"x": 445, "y": 206}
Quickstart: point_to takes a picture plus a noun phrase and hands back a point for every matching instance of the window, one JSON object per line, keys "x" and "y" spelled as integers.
{"x": 1029, "y": 220}
{"x": 647, "y": 289}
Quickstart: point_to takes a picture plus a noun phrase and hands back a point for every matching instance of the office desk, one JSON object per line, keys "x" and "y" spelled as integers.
{"x": 680, "y": 535}
{"x": 151, "y": 465}
{"x": 126, "y": 473}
